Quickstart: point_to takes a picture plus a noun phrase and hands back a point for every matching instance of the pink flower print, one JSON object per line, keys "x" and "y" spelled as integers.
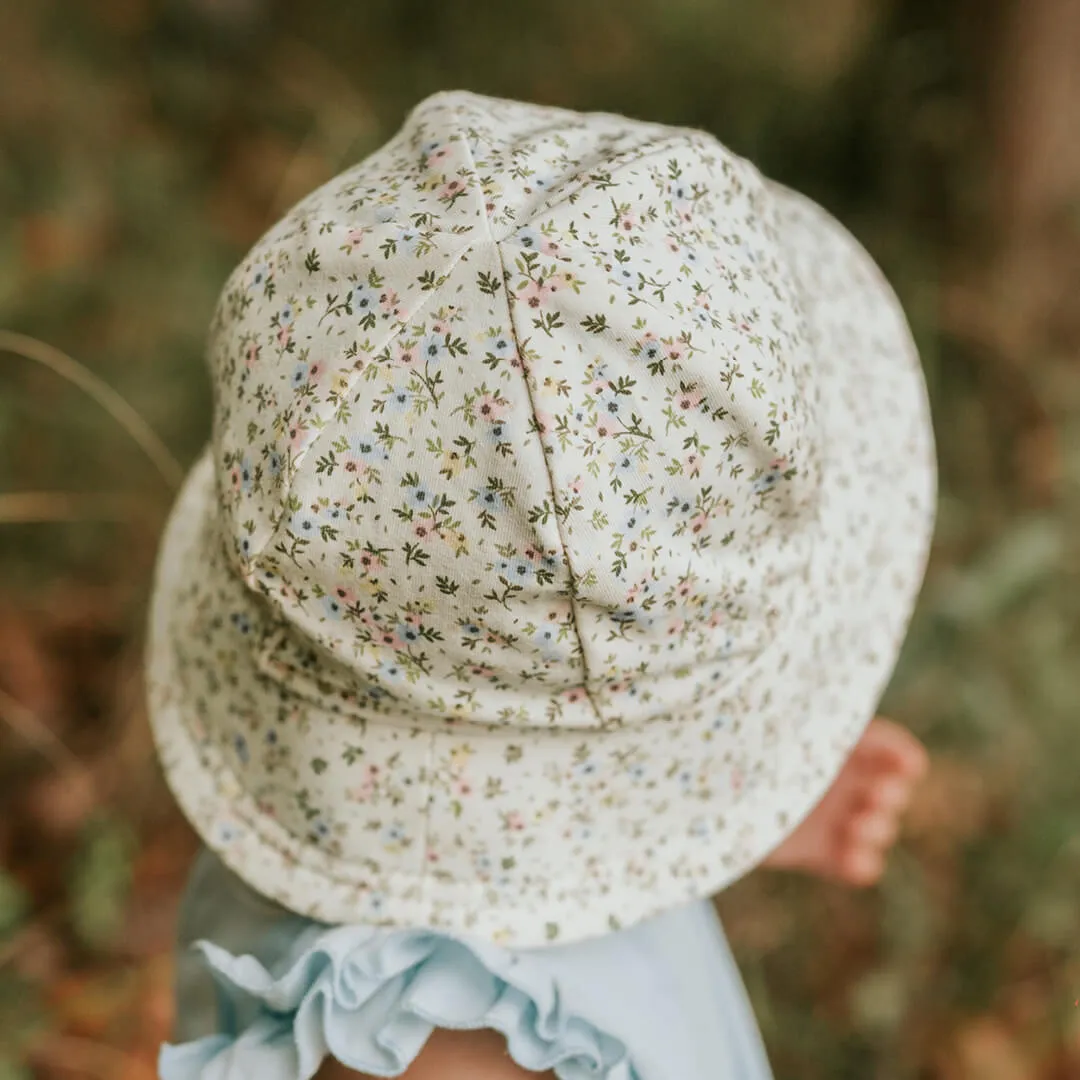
{"x": 716, "y": 618}
{"x": 353, "y": 239}
{"x": 284, "y": 335}
{"x": 234, "y": 478}
{"x": 737, "y": 780}
{"x": 369, "y": 778}
{"x": 605, "y": 426}
{"x": 298, "y": 436}
{"x": 688, "y": 399}
{"x": 387, "y": 637}
{"x": 544, "y": 421}
{"x": 315, "y": 372}
{"x": 574, "y": 695}
{"x": 424, "y": 531}
{"x": 344, "y": 596}
{"x": 441, "y": 327}
{"x": 489, "y": 407}
{"x": 437, "y": 156}
{"x": 576, "y": 485}
{"x": 390, "y": 303}
{"x": 461, "y": 786}
{"x": 675, "y": 350}
{"x": 534, "y": 293}
{"x": 513, "y": 821}
{"x": 692, "y": 464}
{"x": 407, "y": 355}
{"x": 451, "y": 190}
{"x": 370, "y": 562}
{"x": 358, "y": 469}
{"x": 627, "y": 222}
{"x": 676, "y": 626}
{"x": 698, "y": 522}
{"x": 251, "y": 355}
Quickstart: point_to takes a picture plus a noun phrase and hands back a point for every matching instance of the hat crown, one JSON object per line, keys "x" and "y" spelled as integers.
{"x": 514, "y": 422}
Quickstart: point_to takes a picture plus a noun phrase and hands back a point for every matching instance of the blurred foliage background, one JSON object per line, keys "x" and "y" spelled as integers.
{"x": 145, "y": 145}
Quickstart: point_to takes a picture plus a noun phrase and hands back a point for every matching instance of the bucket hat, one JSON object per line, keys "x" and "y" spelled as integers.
{"x": 569, "y": 491}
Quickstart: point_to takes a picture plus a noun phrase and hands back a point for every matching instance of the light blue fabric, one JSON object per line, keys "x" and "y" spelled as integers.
{"x": 267, "y": 995}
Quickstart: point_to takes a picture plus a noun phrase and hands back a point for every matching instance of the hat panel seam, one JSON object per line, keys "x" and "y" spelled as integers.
{"x": 539, "y": 440}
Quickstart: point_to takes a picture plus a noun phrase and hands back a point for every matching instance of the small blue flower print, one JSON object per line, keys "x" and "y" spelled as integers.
{"x": 304, "y": 524}
{"x": 529, "y": 239}
{"x": 502, "y": 345}
{"x": 366, "y": 448}
{"x": 627, "y": 274}
{"x": 406, "y": 241}
{"x": 394, "y": 833}
{"x": 470, "y": 630}
{"x": 259, "y": 273}
{"x": 299, "y": 375}
{"x": 240, "y": 745}
{"x": 227, "y": 832}
{"x": 489, "y": 500}
{"x": 391, "y": 672}
{"x": 286, "y": 315}
{"x": 516, "y": 571}
{"x": 652, "y": 349}
{"x": 400, "y": 398}
{"x": 274, "y": 463}
{"x": 332, "y": 607}
{"x": 432, "y": 349}
{"x": 546, "y": 636}
{"x": 240, "y": 620}
{"x": 363, "y": 301}
{"x": 420, "y": 497}
{"x": 633, "y": 520}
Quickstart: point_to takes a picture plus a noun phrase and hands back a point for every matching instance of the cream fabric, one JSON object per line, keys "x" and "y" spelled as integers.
{"x": 570, "y": 489}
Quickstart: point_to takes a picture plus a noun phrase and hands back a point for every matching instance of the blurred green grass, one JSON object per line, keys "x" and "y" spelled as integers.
{"x": 144, "y": 146}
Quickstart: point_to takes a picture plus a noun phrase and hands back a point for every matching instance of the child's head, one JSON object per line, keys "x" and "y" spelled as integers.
{"x": 569, "y": 491}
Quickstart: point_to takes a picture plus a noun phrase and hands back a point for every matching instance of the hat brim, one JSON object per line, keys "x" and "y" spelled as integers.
{"x": 867, "y": 569}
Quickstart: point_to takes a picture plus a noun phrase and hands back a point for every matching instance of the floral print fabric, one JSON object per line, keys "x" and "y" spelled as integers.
{"x": 569, "y": 491}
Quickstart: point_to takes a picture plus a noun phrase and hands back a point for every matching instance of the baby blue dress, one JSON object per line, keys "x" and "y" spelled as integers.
{"x": 266, "y": 995}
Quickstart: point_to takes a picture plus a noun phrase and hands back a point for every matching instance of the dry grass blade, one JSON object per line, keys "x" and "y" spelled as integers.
{"x": 67, "y": 368}
{"x": 33, "y": 507}
{"x": 28, "y": 725}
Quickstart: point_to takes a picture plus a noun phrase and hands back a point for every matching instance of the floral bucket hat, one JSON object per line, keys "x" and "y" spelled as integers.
{"x": 569, "y": 493}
